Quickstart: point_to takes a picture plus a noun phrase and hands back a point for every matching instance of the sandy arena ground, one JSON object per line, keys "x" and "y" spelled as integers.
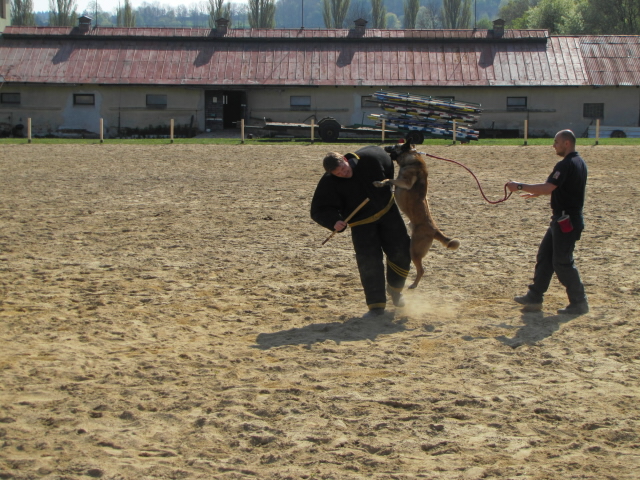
{"x": 169, "y": 312}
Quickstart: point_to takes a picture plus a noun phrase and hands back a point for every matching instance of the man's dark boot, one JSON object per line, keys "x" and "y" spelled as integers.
{"x": 529, "y": 303}
{"x": 374, "y": 313}
{"x": 575, "y": 309}
{"x": 396, "y": 296}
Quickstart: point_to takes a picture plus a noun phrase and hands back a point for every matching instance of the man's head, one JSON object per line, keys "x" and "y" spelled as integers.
{"x": 335, "y": 164}
{"x": 564, "y": 143}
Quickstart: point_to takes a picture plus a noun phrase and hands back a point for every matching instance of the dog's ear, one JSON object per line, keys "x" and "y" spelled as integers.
{"x": 407, "y": 147}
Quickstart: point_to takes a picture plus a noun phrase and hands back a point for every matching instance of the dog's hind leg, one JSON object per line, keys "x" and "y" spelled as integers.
{"x": 420, "y": 245}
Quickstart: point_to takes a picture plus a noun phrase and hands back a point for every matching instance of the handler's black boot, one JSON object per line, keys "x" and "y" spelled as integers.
{"x": 578, "y": 308}
{"x": 529, "y": 303}
{"x": 396, "y": 296}
{"x": 374, "y": 312}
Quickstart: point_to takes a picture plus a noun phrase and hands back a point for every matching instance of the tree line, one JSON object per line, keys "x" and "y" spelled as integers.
{"x": 570, "y": 17}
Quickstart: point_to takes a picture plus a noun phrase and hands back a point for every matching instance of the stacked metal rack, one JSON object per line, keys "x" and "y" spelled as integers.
{"x": 426, "y": 117}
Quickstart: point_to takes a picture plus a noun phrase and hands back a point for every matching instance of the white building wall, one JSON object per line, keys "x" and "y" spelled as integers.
{"x": 549, "y": 109}
{"x": 52, "y": 110}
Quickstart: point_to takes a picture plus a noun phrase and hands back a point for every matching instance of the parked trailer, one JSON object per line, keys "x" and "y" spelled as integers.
{"x": 328, "y": 128}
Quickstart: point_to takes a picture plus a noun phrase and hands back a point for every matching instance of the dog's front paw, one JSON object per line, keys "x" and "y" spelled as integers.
{"x": 378, "y": 184}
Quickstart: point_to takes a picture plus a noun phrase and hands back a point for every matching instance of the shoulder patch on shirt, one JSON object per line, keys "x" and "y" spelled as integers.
{"x": 556, "y": 175}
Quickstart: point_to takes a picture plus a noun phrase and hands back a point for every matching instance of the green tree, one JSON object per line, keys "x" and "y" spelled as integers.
{"x": 217, "y": 9}
{"x": 334, "y": 12}
{"x": 411, "y": 8}
{"x": 429, "y": 16}
{"x": 22, "y": 12}
{"x": 484, "y": 23}
{"x": 456, "y": 13}
{"x": 612, "y": 17}
{"x": 393, "y": 22}
{"x": 262, "y": 13}
{"x": 557, "y": 16}
{"x": 378, "y": 14}
{"x": 513, "y": 12}
{"x": 125, "y": 16}
{"x": 62, "y": 13}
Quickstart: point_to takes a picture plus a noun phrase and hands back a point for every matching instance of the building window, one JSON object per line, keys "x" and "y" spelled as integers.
{"x": 516, "y": 103}
{"x": 3, "y": 9}
{"x": 84, "y": 99}
{"x": 157, "y": 101}
{"x": 300, "y": 102}
{"x": 10, "y": 98}
{"x": 593, "y": 110}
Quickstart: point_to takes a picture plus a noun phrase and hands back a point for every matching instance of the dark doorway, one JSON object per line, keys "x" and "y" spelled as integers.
{"x": 223, "y": 109}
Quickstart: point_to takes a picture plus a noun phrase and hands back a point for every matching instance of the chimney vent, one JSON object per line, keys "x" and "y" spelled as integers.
{"x": 84, "y": 23}
{"x": 361, "y": 25}
{"x": 222, "y": 25}
{"x": 498, "y": 28}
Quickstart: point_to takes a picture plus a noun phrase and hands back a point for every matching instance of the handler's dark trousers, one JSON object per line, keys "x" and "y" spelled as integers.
{"x": 555, "y": 254}
{"x": 388, "y": 235}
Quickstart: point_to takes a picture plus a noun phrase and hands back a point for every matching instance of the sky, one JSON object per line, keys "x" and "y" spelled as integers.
{"x": 110, "y": 5}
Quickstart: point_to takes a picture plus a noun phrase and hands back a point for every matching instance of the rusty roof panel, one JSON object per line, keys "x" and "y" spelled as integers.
{"x": 611, "y": 60}
{"x": 140, "y": 56}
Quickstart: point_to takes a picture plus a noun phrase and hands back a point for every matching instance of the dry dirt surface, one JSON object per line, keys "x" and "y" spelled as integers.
{"x": 168, "y": 312}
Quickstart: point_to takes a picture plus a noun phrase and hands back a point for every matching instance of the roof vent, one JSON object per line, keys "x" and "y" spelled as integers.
{"x": 222, "y": 25}
{"x": 84, "y": 23}
{"x": 498, "y": 28}
{"x": 361, "y": 25}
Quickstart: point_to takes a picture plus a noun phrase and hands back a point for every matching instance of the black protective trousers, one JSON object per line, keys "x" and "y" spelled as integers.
{"x": 555, "y": 255}
{"x": 387, "y": 235}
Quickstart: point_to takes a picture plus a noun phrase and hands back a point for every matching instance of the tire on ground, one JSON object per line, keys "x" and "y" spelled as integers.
{"x": 329, "y": 130}
{"x": 618, "y": 134}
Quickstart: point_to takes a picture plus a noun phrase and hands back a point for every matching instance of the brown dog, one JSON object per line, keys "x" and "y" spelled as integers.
{"x": 411, "y": 196}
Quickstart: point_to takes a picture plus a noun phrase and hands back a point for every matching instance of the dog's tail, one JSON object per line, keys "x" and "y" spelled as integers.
{"x": 449, "y": 243}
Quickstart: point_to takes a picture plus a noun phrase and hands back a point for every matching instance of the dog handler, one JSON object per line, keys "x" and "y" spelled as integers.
{"x": 376, "y": 229}
{"x": 566, "y": 185}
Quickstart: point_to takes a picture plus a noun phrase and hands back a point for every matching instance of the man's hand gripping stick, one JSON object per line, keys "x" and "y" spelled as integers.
{"x": 347, "y": 219}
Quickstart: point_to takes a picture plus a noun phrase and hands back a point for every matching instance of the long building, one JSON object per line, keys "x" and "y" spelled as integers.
{"x": 67, "y": 79}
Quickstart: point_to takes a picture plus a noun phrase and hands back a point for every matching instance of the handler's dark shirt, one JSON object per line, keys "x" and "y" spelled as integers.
{"x": 570, "y": 177}
{"x": 335, "y": 198}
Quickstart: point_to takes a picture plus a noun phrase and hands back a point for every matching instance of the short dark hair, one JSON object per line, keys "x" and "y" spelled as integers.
{"x": 332, "y": 161}
{"x": 567, "y": 136}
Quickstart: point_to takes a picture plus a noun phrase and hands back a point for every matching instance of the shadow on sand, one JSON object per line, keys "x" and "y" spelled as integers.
{"x": 536, "y": 327}
{"x": 352, "y": 330}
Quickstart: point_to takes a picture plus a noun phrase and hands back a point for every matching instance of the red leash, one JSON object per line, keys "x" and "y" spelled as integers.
{"x": 506, "y": 195}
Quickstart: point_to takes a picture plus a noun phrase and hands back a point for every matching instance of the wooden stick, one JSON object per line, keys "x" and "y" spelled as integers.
{"x": 347, "y": 219}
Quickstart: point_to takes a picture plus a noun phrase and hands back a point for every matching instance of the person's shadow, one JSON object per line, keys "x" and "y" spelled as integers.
{"x": 352, "y": 330}
{"x": 536, "y": 327}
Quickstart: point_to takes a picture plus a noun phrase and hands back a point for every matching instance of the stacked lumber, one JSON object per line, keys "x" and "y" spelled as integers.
{"x": 431, "y": 117}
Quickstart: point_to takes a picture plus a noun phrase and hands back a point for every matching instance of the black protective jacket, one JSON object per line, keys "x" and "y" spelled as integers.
{"x": 335, "y": 198}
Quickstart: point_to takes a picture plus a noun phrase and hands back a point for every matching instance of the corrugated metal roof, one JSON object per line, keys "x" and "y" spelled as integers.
{"x": 325, "y": 57}
{"x": 612, "y": 60}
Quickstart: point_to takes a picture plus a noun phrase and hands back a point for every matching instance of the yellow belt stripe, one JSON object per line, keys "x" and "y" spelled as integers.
{"x": 400, "y": 271}
{"x": 376, "y": 216}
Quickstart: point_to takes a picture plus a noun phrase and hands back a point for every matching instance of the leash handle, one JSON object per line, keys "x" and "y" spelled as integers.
{"x": 506, "y": 195}
{"x": 356, "y": 210}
